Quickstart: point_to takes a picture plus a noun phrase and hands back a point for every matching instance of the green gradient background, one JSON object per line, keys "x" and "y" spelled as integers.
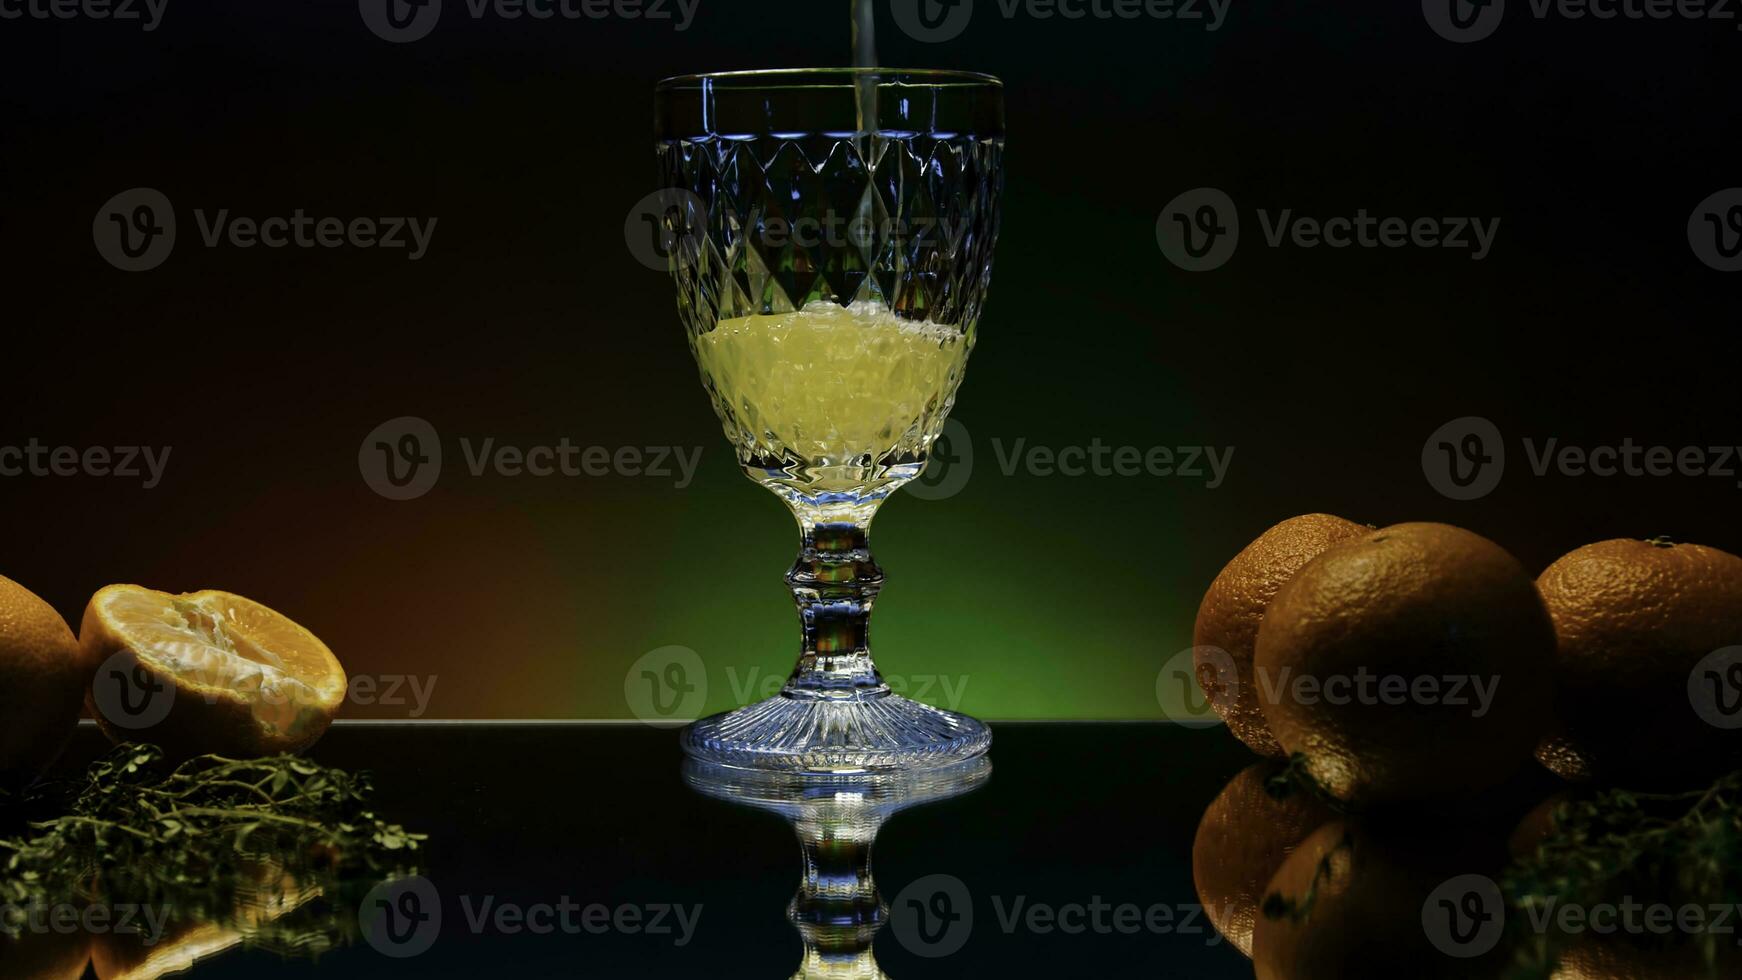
{"x": 530, "y": 322}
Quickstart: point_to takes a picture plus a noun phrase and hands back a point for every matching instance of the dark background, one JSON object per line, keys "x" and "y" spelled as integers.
{"x": 530, "y": 320}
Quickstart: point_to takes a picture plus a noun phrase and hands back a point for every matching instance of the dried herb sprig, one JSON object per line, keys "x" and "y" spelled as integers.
{"x": 212, "y": 838}
{"x": 1674, "y": 849}
{"x": 1294, "y": 778}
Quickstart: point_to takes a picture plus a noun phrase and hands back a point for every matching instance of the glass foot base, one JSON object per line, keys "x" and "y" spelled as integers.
{"x": 829, "y": 736}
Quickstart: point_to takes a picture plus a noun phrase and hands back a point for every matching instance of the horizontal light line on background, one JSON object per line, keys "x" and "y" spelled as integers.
{"x": 631, "y": 722}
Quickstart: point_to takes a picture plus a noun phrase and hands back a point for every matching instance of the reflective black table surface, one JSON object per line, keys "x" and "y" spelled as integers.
{"x": 586, "y": 850}
{"x": 564, "y": 850}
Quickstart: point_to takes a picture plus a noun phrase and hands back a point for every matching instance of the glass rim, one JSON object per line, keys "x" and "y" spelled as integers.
{"x": 749, "y": 79}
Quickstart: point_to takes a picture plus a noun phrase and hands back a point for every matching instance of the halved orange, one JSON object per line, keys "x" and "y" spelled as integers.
{"x": 206, "y": 672}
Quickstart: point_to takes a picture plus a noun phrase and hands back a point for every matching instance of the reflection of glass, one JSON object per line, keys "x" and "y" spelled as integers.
{"x": 837, "y": 910}
{"x": 832, "y": 237}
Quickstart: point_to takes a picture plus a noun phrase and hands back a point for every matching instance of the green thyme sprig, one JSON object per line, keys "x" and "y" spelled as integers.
{"x": 212, "y": 838}
{"x": 1675, "y": 849}
{"x": 1294, "y": 779}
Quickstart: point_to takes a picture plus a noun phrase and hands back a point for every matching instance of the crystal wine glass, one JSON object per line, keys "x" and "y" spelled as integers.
{"x": 831, "y": 238}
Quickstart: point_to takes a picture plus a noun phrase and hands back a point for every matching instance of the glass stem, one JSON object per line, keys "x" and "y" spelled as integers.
{"x": 835, "y": 582}
{"x": 837, "y": 909}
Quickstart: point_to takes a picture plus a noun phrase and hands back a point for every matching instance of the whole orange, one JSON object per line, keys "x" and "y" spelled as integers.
{"x": 1642, "y": 677}
{"x": 1411, "y": 663}
{"x": 1234, "y": 605}
{"x": 42, "y": 679}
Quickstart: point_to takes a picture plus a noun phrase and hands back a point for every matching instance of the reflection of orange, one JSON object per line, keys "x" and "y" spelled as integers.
{"x": 183, "y": 944}
{"x": 1245, "y": 835}
{"x": 1360, "y": 895}
{"x": 1535, "y": 827}
{"x": 265, "y": 892}
{"x": 1445, "y": 617}
{"x": 1229, "y": 615}
{"x": 44, "y": 956}
{"x": 1634, "y": 620}
{"x": 1618, "y": 957}
{"x": 247, "y": 680}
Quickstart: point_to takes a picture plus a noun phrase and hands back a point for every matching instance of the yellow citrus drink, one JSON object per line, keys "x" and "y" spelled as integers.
{"x": 832, "y": 398}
